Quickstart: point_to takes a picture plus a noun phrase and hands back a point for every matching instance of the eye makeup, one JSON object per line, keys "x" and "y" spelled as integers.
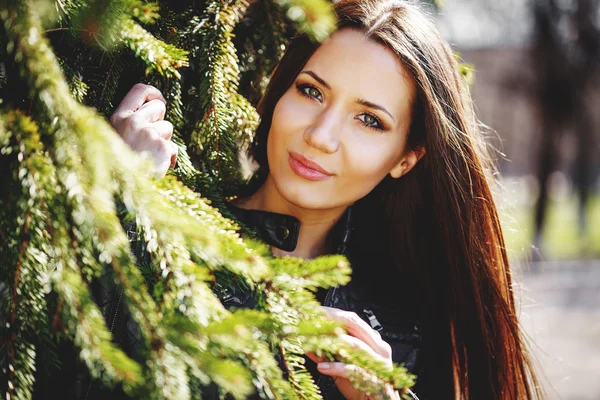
{"x": 368, "y": 120}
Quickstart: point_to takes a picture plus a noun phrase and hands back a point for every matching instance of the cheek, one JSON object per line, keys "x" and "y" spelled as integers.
{"x": 289, "y": 121}
{"x": 364, "y": 159}
{"x": 276, "y": 142}
{"x": 368, "y": 162}
{"x": 360, "y": 178}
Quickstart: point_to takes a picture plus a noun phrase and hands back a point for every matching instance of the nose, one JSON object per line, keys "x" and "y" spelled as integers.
{"x": 323, "y": 133}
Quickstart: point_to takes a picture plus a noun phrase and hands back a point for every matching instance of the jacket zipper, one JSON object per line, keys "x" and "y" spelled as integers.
{"x": 328, "y": 297}
{"x": 112, "y": 327}
{"x": 373, "y": 320}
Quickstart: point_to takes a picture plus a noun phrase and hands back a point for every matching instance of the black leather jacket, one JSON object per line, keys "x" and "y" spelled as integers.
{"x": 391, "y": 314}
{"x": 384, "y": 305}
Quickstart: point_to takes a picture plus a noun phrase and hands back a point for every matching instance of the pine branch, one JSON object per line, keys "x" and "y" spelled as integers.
{"x": 191, "y": 212}
{"x": 79, "y": 88}
{"x": 109, "y": 86}
{"x": 87, "y": 325}
{"x": 187, "y": 336}
{"x": 372, "y": 375}
{"x": 298, "y": 306}
{"x": 313, "y": 17}
{"x": 91, "y": 335}
{"x": 20, "y": 141}
{"x": 262, "y": 39}
{"x": 221, "y": 129}
{"x": 13, "y": 312}
{"x": 321, "y": 272}
{"x": 241, "y": 344}
{"x": 92, "y": 187}
{"x": 112, "y": 23}
{"x": 239, "y": 338}
{"x": 172, "y": 91}
{"x": 298, "y": 375}
{"x": 160, "y": 57}
{"x": 290, "y": 299}
{"x": 79, "y": 13}
{"x": 182, "y": 284}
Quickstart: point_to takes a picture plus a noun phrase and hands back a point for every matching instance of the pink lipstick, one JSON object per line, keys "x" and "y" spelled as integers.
{"x": 307, "y": 169}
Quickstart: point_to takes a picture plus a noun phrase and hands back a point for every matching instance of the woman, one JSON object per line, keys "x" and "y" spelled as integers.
{"x": 368, "y": 146}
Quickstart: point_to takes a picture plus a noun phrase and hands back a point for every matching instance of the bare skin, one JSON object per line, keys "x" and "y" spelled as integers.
{"x": 140, "y": 120}
{"x": 315, "y": 224}
{"x": 323, "y": 117}
{"x": 336, "y": 133}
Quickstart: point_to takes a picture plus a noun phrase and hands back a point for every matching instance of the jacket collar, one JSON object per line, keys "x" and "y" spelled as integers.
{"x": 282, "y": 230}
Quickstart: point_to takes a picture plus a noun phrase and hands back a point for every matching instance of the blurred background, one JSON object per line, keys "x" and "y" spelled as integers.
{"x": 536, "y": 88}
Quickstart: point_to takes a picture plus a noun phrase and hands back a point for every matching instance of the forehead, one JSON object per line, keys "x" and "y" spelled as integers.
{"x": 351, "y": 62}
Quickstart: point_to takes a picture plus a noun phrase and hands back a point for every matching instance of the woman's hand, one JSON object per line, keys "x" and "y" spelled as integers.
{"x": 362, "y": 336}
{"x": 139, "y": 120}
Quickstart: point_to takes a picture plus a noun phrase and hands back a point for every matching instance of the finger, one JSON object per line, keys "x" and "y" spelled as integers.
{"x": 312, "y": 356}
{"x": 333, "y": 369}
{"x": 145, "y": 139}
{"x": 342, "y": 370}
{"x": 163, "y": 128}
{"x": 152, "y": 111}
{"x": 174, "y": 154}
{"x": 359, "y": 344}
{"x": 360, "y": 329}
{"x": 137, "y": 96}
{"x": 355, "y": 373}
{"x": 163, "y": 156}
{"x": 161, "y": 151}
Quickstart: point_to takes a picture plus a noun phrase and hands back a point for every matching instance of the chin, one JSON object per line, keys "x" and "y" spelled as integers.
{"x": 306, "y": 199}
{"x": 309, "y": 196}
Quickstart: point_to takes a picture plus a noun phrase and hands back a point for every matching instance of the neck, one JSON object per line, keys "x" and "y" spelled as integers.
{"x": 315, "y": 224}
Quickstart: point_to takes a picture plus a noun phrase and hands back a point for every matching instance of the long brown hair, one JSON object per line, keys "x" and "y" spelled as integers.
{"x": 439, "y": 220}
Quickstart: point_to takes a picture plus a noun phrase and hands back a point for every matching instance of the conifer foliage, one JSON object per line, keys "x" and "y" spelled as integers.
{"x": 73, "y": 194}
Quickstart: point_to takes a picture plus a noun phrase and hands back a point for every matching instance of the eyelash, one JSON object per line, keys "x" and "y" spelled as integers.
{"x": 301, "y": 90}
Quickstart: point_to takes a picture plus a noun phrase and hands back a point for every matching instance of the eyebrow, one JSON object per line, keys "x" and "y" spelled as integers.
{"x": 316, "y": 78}
{"x": 359, "y": 101}
{"x": 374, "y": 106}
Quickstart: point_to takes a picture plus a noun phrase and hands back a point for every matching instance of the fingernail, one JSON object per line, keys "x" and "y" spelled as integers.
{"x": 324, "y": 366}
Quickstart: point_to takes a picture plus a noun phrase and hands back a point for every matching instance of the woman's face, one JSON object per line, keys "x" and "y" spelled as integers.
{"x": 343, "y": 124}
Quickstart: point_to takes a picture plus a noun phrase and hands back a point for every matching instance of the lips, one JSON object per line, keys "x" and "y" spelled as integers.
{"x": 306, "y": 168}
